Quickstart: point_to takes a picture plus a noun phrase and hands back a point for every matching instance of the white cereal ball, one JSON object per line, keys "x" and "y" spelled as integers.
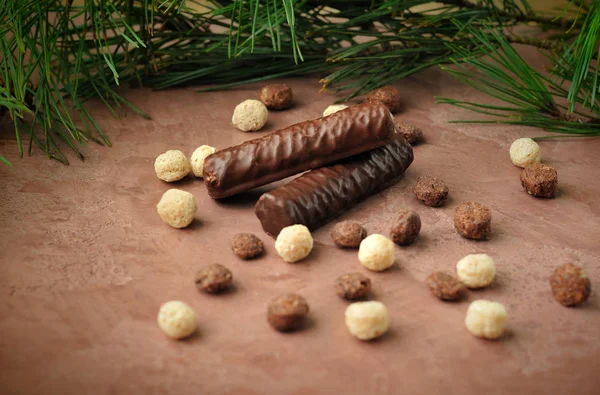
{"x": 376, "y": 252}
{"x": 197, "y": 159}
{"x": 294, "y": 243}
{"x": 486, "y": 319}
{"x": 367, "y": 320}
{"x": 334, "y": 108}
{"x": 177, "y": 208}
{"x": 177, "y": 319}
{"x": 250, "y": 115}
{"x": 172, "y": 166}
{"x": 524, "y": 152}
{"x": 476, "y": 270}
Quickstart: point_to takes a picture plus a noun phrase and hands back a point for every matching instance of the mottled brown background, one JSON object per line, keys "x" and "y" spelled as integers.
{"x": 85, "y": 263}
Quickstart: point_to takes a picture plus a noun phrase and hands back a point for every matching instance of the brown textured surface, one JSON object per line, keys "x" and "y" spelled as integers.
{"x": 540, "y": 180}
{"x": 85, "y": 264}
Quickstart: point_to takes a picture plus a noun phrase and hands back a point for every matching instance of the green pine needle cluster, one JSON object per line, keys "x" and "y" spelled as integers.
{"x": 56, "y": 55}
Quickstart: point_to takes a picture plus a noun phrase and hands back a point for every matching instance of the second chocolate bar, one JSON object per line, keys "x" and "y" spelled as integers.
{"x": 297, "y": 148}
{"x": 322, "y": 194}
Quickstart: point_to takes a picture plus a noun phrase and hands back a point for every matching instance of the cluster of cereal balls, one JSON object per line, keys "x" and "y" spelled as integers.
{"x": 177, "y": 208}
{"x": 537, "y": 179}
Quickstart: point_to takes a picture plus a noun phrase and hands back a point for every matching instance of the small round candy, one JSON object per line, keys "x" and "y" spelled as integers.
{"x": 176, "y": 319}
{"x": 376, "y": 253}
{"x": 250, "y": 115}
{"x": 172, "y": 166}
{"x": 294, "y": 243}
{"x": 367, "y": 320}
{"x": 486, "y": 319}
{"x": 524, "y": 152}
{"x": 177, "y": 208}
{"x": 276, "y": 96}
{"x": 197, "y": 159}
{"x": 476, "y": 270}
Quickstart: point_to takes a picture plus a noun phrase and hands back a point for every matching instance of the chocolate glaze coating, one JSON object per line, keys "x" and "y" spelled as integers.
{"x": 298, "y": 148}
{"x": 321, "y": 194}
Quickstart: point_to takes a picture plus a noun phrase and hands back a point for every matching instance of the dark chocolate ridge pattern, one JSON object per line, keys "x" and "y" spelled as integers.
{"x": 297, "y": 148}
{"x": 317, "y": 196}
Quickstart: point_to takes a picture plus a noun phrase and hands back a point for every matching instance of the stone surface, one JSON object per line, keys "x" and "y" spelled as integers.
{"x": 85, "y": 263}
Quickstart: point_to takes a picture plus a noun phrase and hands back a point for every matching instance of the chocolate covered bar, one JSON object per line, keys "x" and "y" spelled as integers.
{"x": 322, "y": 194}
{"x": 297, "y": 148}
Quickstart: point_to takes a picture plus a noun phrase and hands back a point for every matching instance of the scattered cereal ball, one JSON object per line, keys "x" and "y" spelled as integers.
{"x": 197, "y": 159}
{"x": 445, "y": 286}
{"x": 177, "y": 208}
{"x": 276, "y": 96}
{"x": 376, "y": 253}
{"x": 287, "y": 312}
{"x": 367, "y": 320}
{"x": 352, "y": 286}
{"x": 388, "y": 95}
{"x": 406, "y": 227}
{"x": 540, "y": 180}
{"x": 431, "y": 191}
{"x": 176, "y": 319}
{"x": 294, "y": 243}
{"x": 333, "y": 109}
{"x": 476, "y": 270}
{"x": 473, "y": 221}
{"x": 570, "y": 285}
{"x": 171, "y": 166}
{"x": 250, "y": 115}
{"x": 486, "y": 319}
{"x": 410, "y": 132}
{"x": 213, "y": 278}
{"x": 348, "y": 234}
{"x": 247, "y": 245}
{"x": 524, "y": 152}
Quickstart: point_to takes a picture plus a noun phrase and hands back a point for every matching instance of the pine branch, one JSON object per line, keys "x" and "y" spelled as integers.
{"x": 529, "y": 95}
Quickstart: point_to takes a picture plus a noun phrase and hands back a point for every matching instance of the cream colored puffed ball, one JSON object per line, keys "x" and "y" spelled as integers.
{"x": 250, "y": 115}
{"x": 177, "y": 208}
{"x": 197, "y": 159}
{"x": 294, "y": 243}
{"x": 486, "y": 319}
{"x": 524, "y": 152}
{"x": 172, "y": 166}
{"x": 334, "y": 108}
{"x": 367, "y": 320}
{"x": 476, "y": 270}
{"x": 176, "y": 319}
{"x": 376, "y": 252}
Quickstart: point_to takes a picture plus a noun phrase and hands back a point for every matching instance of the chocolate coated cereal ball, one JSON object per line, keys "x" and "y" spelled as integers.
{"x": 431, "y": 191}
{"x": 445, "y": 286}
{"x": 570, "y": 285}
{"x": 410, "y": 132}
{"x": 540, "y": 180}
{"x": 406, "y": 227}
{"x": 388, "y": 95}
{"x": 214, "y": 278}
{"x": 352, "y": 286}
{"x": 276, "y": 96}
{"x": 473, "y": 221}
{"x": 287, "y": 312}
{"x": 247, "y": 245}
{"x": 348, "y": 234}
